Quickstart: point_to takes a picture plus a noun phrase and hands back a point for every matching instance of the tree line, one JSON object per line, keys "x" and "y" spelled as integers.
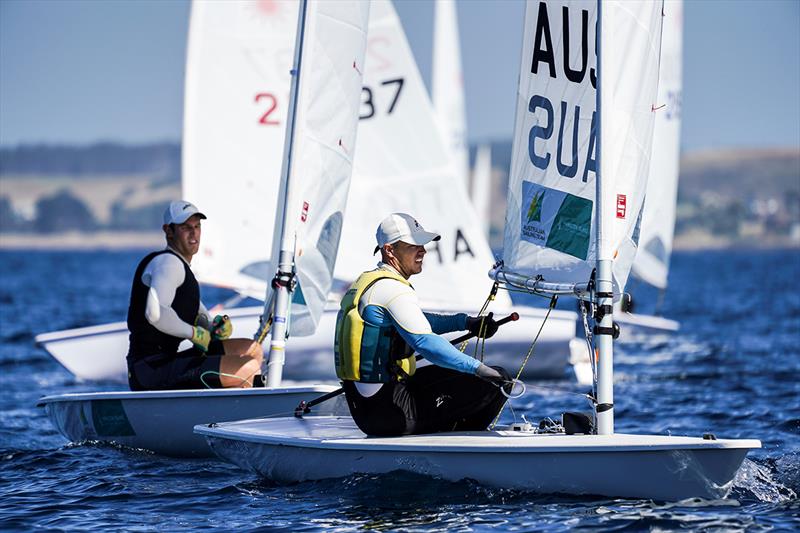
{"x": 159, "y": 159}
{"x": 63, "y": 211}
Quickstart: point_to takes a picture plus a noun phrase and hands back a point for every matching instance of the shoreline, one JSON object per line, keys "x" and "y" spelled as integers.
{"x": 123, "y": 240}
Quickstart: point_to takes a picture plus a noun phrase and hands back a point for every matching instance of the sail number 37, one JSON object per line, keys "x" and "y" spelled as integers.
{"x": 368, "y": 101}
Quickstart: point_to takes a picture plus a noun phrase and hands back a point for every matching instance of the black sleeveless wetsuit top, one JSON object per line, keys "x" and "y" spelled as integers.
{"x": 145, "y": 339}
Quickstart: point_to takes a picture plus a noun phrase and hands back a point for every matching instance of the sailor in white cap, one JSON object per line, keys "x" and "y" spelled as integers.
{"x": 165, "y": 309}
{"x": 381, "y": 326}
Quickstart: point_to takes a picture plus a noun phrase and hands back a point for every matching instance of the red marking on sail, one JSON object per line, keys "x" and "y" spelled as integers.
{"x": 654, "y": 108}
{"x": 304, "y": 213}
{"x": 356, "y": 67}
{"x": 344, "y": 147}
{"x": 268, "y": 7}
{"x": 622, "y": 205}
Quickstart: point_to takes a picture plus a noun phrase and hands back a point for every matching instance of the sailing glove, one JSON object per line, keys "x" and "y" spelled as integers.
{"x": 490, "y": 374}
{"x": 200, "y": 338}
{"x": 221, "y": 327}
{"x": 496, "y": 375}
{"x": 483, "y": 327}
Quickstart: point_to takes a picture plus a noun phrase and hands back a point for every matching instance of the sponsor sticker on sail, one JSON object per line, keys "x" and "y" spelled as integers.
{"x": 555, "y": 219}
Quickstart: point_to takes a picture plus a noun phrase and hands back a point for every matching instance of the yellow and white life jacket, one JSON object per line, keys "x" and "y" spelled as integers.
{"x": 364, "y": 352}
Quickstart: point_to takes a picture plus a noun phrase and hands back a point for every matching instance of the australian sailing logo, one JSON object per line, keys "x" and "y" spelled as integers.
{"x": 535, "y": 208}
{"x": 562, "y": 223}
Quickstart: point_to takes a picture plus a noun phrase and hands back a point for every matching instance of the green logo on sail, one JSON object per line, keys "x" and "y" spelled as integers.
{"x": 572, "y": 227}
{"x": 535, "y": 208}
{"x": 564, "y": 223}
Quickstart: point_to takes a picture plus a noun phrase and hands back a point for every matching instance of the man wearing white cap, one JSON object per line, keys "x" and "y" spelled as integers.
{"x": 380, "y": 327}
{"x": 165, "y": 309}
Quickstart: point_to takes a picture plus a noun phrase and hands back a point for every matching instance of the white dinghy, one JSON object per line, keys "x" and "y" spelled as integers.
{"x": 163, "y": 421}
{"x": 566, "y": 229}
{"x": 317, "y": 165}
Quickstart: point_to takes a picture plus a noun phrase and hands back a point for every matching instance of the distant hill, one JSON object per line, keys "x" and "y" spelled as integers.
{"x": 746, "y": 174}
{"x": 725, "y": 197}
{"x": 161, "y": 160}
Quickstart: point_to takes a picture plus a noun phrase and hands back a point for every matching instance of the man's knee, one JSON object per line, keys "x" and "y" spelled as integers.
{"x": 244, "y": 347}
{"x": 250, "y": 348}
{"x": 251, "y": 367}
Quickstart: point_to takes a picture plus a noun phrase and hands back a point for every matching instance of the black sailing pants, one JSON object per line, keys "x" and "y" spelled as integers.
{"x": 433, "y": 399}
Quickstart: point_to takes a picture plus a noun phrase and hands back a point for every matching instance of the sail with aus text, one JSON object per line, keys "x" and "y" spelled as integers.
{"x": 552, "y": 227}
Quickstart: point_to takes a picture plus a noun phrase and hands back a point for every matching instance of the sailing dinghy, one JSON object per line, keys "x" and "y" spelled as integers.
{"x": 559, "y": 230}
{"x": 317, "y": 164}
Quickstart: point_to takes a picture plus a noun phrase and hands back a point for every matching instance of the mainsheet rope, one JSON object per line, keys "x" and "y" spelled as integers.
{"x": 553, "y": 301}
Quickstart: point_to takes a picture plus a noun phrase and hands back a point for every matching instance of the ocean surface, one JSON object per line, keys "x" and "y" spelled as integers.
{"x": 733, "y": 369}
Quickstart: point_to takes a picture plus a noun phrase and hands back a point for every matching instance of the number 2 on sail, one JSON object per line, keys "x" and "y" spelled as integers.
{"x": 273, "y": 104}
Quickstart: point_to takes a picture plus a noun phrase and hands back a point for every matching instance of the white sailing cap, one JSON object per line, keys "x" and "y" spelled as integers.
{"x": 179, "y": 211}
{"x": 402, "y": 227}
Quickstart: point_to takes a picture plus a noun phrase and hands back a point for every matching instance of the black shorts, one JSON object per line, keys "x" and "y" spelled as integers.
{"x": 189, "y": 369}
{"x": 433, "y": 399}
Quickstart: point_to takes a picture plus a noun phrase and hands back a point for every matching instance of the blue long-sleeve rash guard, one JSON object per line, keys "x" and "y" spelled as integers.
{"x": 430, "y": 345}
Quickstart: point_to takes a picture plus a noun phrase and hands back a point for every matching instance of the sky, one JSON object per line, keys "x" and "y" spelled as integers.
{"x": 78, "y": 72}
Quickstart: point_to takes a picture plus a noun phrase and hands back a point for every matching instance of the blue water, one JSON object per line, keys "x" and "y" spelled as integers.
{"x": 732, "y": 370}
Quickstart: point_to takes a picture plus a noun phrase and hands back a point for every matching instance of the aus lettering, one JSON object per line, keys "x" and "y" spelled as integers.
{"x": 544, "y": 53}
{"x": 568, "y": 165}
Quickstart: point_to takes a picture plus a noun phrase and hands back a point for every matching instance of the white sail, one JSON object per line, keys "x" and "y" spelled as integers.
{"x": 658, "y": 222}
{"x": 404, "y": 165}
{"x": 550, "y": 219}
{"x": 235, "y": 109}
{"x": 448, "y": 85}
{"x": 481, "y": 191}
{"x": 319, "y": 158}
{"x": 630, "y": 50}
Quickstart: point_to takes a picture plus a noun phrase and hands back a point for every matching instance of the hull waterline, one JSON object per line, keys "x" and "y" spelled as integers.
{"x": 635, "y": 466}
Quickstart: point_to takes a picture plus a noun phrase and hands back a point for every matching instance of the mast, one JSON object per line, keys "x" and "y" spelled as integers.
{"x": 604, "y": 408}
{"x": 284, "y": 277}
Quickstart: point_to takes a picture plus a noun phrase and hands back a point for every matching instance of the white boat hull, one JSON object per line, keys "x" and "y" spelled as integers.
{"x": 97, "y": 353}
{"x": 163, "y": 421}
{"x": 636, "y": 466}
